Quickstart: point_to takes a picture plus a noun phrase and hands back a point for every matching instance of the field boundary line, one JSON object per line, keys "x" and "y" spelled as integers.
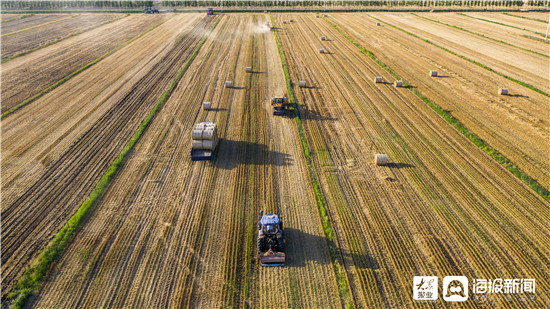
{"x": 492, "y": 152}
{"x": 41, "y": 25}
{"x": 338, "y": 265}
{"x": 66, "y": 78}
{"x": 524, "y": 84}
{"x": 34, "y": 276}
{"x": 525, "y": 17}
{"x": 480, "y": 35}
{"x": 61, "y": 39}
{"x": 499, "y": 23}
{"x": 20, "y": 17}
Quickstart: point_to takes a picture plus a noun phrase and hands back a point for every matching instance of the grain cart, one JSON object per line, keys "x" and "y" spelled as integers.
{"x": 204, "y": 141}
{"x": 279, "y": 105}
{"x": 271, "y": 247}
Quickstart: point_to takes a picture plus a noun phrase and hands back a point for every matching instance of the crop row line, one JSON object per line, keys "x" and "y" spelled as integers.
{"x": 35, "y": 275}
{"x": 61, "y": 39}
{"x": 339, "y": 268}
{"x": 533, "y": 184}
{"x": 19, "y": 17}
{"x": 481, "y": 35}
{"x": 499, "y": 23}
{"x": 525, "y": 17}
{"x": 37, "y": 26}
{"x": 66, "y": 78}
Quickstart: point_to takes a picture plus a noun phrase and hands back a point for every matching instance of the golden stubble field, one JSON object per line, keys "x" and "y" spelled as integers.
{"x": 169, "y": 232}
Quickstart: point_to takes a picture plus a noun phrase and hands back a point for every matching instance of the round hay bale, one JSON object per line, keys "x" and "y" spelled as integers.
{"x": 322, "y": 50}
{"x": 317, "y": 16}
{"x": 377, "y": 79}
{"x": 248, "y": 69}
{"x": 208, "y": 144}
{"x": 196, "y": 134}
{"x": 291, "y": 20}
{"x": 228, "y": 84}
{"x": 326, "y": 15}
{"x": 302, "y": 83}
{"x": 323, "y": 38}
{"x": 378, "y": 24}
{"x": 284, "y": 21}
{"x": 206, "y": 105}
{"x": 209, "y": 134}
{"x": 380, "y": 159}
{"x": 196, "y": 144}
{"x": 503, "y": 91}
{"x": 433, "y": 73}
{"x": 398, "y": 83}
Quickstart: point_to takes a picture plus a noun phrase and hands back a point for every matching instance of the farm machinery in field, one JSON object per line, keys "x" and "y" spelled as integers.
{"x": 204, "y": 141}
{"x": 271, "y": 247}
{"x": 151, "y": 10}
{"x": 279, "y": 105}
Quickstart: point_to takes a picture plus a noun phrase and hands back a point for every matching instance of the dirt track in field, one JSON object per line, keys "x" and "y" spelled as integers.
{"x": 198, "y": 220}
{"x": 467, "y": 91}
{"x": 55, "y": 151}
{"x": 25, "y": 40}
{"x": 438, "y": 208}
{"x": 26, "y": 76}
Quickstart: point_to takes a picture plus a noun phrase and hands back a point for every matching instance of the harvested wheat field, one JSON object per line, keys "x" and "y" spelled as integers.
{"x": 29, "y": 75}
{"x": 37, "y": 34}
{"x": 464, "y": 191}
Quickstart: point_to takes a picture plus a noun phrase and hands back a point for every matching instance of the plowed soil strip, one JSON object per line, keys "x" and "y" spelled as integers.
{"x": 26, "y": 79}
{"x": 48, "y": 190}
{"x": 442, "y": 206}
{"x": 15, "y": 43}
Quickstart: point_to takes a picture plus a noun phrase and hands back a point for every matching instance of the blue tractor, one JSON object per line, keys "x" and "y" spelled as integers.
{"x": 151, "y": 10}
{"x": 271, "y": 246}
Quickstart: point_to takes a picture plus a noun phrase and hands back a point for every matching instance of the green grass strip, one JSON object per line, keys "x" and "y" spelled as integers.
{"x": 16, "y": 18}
{"x": 35, "y": 274}
{"x": 66, "y": 78}
{"x": 41, "y": 25}
{"x": 493, "y": 153}
{"x": 498, "y": 23}
{"x": 525, "y": 17}
{"x": 61, "y": 39}
{"x": 481, "y": 35}
{"x": 339, "y": 270}
{"x": 524, "y": 84}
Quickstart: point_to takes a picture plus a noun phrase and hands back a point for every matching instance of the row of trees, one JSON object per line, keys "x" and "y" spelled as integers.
{"x": 130, "y": 4}
{"x": 332, "y": 3}
{"x": 45, "y": 5}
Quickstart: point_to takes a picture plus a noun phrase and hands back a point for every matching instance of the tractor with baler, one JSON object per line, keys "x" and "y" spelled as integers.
{"x": 271, "y": 245}
{"x": 280, "y": 105}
